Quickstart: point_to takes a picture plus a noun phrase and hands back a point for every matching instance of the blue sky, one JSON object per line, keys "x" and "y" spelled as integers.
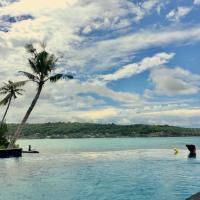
{"x": 134, "y": 61}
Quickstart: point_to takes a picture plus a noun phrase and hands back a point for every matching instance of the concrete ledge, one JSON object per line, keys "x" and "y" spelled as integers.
{"x": 6, "y": 153}
{"x": 194, "y": 197}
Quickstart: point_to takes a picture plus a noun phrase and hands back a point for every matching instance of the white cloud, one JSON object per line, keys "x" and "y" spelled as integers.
{"x": 193, "y": 112}
{"x": 145, "y": 8}
{"x": 177, "y": 14}
{"x": 95, "y": 115}
{"x": 118, "y": 50}
{"x": 67, "y": 97}
{"x": 5, "y": 2}
{"x": 75, "y": 87}
{"x": 172, "y": 113}
{"x": 197, "y": 2}
{"x": 55, "y": 105}
{"x": 112, "y": 14}
{"x": 36, "y": 7}
{"x": 136, "y": 68}
{"x": 62, "y": 30}
{"x": 158, "y": 4}
{"x": 173, "y": 82}
{"x": 65, "y": 25}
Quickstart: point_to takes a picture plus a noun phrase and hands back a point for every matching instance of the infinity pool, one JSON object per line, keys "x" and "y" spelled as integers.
{"x": 102, "y": 169}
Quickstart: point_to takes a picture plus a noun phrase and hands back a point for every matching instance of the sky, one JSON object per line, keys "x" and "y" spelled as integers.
{"x": 133, "y": 61}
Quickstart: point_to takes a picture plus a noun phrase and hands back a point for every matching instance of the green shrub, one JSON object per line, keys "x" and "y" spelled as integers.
{"x": 3, "y": 141}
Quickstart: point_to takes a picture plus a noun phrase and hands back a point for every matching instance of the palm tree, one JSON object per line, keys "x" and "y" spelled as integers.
{"x": 43, "y": 65}
{"x": 11, "y": 90}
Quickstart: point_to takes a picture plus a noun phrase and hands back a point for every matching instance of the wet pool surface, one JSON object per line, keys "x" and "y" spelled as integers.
{"x": 102, "y": 169}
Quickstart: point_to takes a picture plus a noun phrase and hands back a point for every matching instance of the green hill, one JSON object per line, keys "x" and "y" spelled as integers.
{"x": 91, "y": 130}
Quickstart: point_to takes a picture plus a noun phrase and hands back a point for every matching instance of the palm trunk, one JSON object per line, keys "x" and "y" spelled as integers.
{"x": 6, "y": 110}
{"x": 20, "y": 127}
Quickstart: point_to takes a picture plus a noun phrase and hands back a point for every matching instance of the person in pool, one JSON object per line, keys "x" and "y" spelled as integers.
{"x": 192, "y": 150}
{"x": 176, "y": 151}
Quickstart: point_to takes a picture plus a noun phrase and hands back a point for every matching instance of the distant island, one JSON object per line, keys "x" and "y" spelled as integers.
{"x": 92, "y": 130}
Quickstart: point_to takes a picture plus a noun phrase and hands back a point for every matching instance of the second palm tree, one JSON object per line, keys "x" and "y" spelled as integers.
{"x": 11, "y": 90}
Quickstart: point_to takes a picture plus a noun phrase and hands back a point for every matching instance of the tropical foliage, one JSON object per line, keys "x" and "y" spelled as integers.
{"x": 11, "y": 90}
{"x": 43, "y": 66}
{"x": 90, "y": 130}
{"x": 3, "y": 140}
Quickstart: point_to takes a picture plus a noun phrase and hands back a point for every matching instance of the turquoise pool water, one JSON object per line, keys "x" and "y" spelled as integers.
{"x": 102, "y": 169}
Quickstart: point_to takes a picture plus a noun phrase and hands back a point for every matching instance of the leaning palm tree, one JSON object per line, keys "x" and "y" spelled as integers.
{"x": 11, "y": 90}
{"x": 43, "y": 65}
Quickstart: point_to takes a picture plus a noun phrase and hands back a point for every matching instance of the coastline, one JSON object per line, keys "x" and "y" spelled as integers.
{"x": 53, "y": 138}
{"x": 61, "y": 130}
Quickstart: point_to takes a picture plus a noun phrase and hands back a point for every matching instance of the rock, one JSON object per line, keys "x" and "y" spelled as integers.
{"x": 194, "y": 197}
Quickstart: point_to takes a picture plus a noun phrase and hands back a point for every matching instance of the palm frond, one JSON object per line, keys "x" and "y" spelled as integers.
{"x": 51, "y": 61}
{"x": 3, "y": 92}
{"x": 42, "y": 63}
{"x": 5, "y": 100}
{"x": 19, "y": 90}
{"x": 18, "y": 84}
{"x": 3, "y": 88}
{"x": 33, "y": 65}
{"x": 19, "y": 93}
{"x": 30, "y": 76}
{"x": 10, "y": 82}
{"x": 68, "y": 76}
{"x": 30, "y": 49}
{"x": 43, "y": 45}
{"x": 57, "y": 77}
{"x": 14, "y": 95}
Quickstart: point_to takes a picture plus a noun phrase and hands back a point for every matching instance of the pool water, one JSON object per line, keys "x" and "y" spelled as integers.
{"x": 102, "y": 169}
